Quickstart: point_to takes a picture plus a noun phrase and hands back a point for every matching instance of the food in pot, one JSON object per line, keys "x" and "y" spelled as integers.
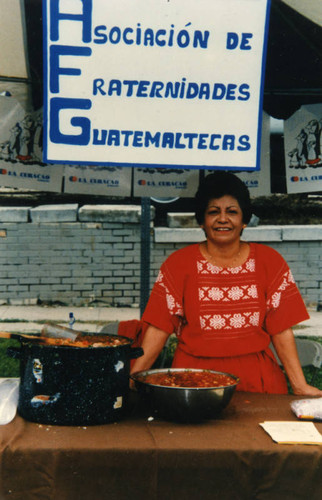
{"x": 188, "y": 378}
{"x": 87, "y": 341}
{"x": 68, "y": 385}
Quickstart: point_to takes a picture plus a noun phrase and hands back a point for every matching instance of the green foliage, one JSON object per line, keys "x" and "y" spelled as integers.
{"x": 9, "y": 367}
{"x": 312, "y": 376}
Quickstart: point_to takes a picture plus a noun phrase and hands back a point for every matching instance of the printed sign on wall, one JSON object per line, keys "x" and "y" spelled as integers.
{"x": 165, "y": 182}
{"x": 105, "y": 181}
{"x": 303, "y": 150}
{"x": 21, "y": 145}
{"x": 154, "y": 83}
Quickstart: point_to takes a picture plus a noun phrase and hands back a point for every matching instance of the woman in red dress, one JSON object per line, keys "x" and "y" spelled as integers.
{"x": 227, "y": 299}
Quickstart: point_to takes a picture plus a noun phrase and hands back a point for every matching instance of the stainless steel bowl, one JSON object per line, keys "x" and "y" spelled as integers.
{"x": 185, "y": 404}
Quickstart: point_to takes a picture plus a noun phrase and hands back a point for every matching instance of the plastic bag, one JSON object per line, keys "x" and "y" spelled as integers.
{"x": 308, "y": 409}
{"x": 9, "y": 393}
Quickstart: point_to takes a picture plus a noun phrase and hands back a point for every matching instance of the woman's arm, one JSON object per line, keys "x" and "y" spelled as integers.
{"x": 153, "y": 342}
{"x": 285, "y": 347}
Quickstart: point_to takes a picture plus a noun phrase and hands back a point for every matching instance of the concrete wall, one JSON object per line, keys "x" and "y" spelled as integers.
{"x": 88, "y": 255}
{"x": 70, "y": 255}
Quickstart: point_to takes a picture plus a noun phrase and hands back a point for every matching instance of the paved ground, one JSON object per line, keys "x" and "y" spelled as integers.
{"x": 28, "y": 319}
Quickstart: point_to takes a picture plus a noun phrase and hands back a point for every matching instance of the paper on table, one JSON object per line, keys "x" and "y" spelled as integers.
{"x": 293, "y": 432}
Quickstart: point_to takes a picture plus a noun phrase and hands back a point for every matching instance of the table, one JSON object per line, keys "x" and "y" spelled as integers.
{"x": 231, "y": 457}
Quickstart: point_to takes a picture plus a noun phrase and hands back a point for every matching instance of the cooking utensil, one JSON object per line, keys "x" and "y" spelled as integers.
{"x": 185, "y": 404}
{"x": 59, "y": 332}
{"x": 47, "y": 332}
{"x": 70, "y": 385}
{"x": 20, "y": 336}
{"x": 34, "y": 338}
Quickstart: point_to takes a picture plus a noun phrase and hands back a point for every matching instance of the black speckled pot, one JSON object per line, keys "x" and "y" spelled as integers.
{"x": 64, "y": 385}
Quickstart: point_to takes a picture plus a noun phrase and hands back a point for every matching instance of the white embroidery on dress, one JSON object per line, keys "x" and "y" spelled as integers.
{"x": 287, "y": 280}
{"x": 160, "y": 278}
{"x": 203, "y": 322}
{"x": 237, "y": 321}
{"x": 284, "y": 284}
{"x": 235, "y": 293}
{"x": 252, "y": 291}
{"x": 213, "y": 269}
{"x": 235, "y": 270}
{"x": 170, "y": 301}
{"x": 254, "y": 319}
{"x": 205, "y": 267}
{"x": 215, "y": 293}
{"x": 275, "y": 300}
{"x": 250, "y": 265}
{"x": 217, "y": 322}
{"x": 174, "y": 307}
{"x": 228, "y": 321}
{"x": 291, "y": 277}
{"x": 227, "y": 294}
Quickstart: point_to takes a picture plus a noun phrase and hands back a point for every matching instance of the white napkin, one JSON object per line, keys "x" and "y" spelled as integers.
{"x": 9, "y": 392}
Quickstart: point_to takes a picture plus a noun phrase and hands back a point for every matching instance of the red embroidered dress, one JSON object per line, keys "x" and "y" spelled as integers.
{"x": 224, "y": 317}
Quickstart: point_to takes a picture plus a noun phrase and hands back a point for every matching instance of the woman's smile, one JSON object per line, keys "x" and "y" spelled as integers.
{"x": 223, "y": 218}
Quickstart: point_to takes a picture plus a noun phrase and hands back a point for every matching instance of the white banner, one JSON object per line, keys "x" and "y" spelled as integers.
{"x": 106, "y": 181}
{"x": 303, "y": 150}
{"x": 21, "y": 147}
{"x": 154, "y": 83}
{"x": 44, "y": 178}
{"x": 165, "y": 182}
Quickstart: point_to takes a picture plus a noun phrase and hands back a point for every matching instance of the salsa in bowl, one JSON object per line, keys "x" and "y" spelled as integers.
{"x": 182, "y": 394}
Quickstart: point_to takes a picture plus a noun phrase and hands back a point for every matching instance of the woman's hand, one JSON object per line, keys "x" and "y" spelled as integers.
{"x": 152, "y": 344}
{"x": 285, "y": 347}
{"x": 307, "y": 390}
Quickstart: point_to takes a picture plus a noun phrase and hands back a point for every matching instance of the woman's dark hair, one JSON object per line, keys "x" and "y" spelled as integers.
{"x": 219, "y": 184}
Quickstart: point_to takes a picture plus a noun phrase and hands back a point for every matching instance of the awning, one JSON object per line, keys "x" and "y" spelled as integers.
{"x": 294, "y": 57}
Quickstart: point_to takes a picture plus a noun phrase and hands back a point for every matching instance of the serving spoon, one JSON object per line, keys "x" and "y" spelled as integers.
{"x": 19, "y": 336}
{"x": 48, "y": 332}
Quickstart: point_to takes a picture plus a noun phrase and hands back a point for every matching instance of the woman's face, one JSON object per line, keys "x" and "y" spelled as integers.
{"x": 223, "y": 220}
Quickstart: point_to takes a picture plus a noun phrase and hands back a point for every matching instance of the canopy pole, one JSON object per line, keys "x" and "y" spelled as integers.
{"x": 145, "y": 252}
